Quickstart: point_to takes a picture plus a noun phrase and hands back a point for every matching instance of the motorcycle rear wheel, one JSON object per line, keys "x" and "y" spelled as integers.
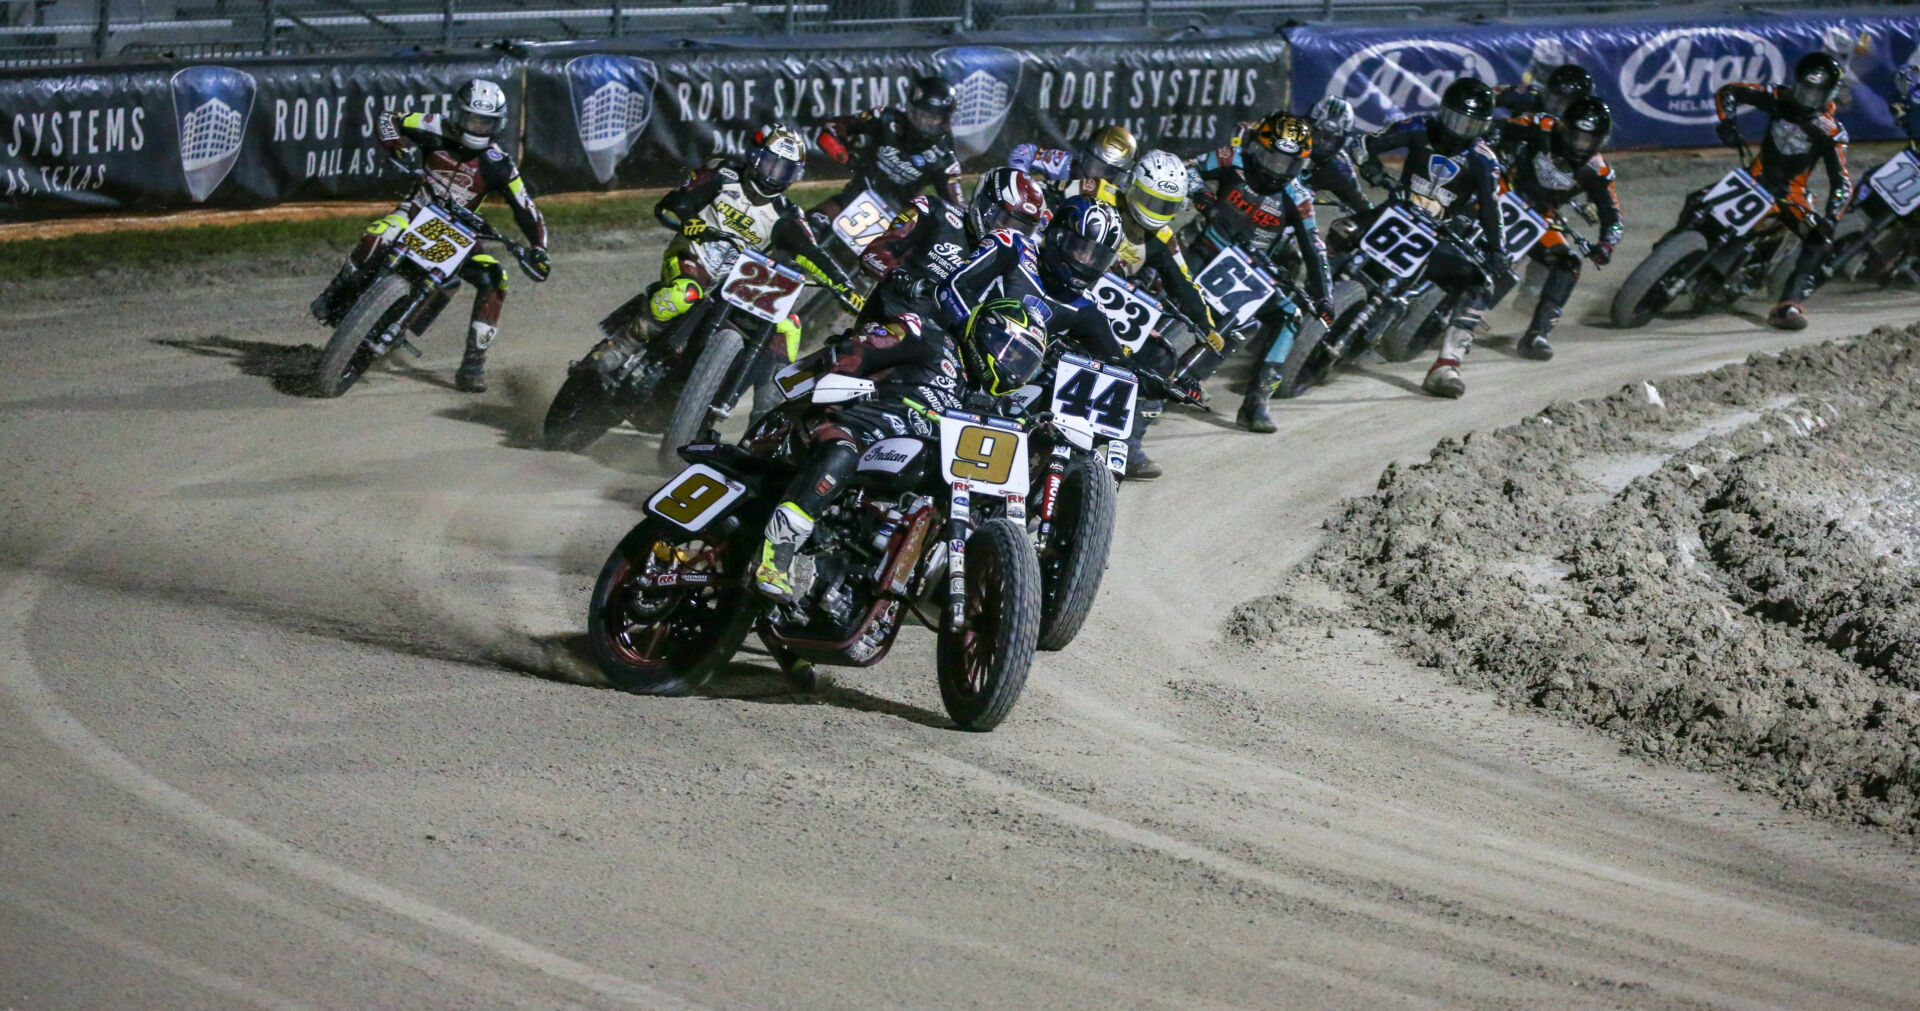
{"x": 669, "y": 640}
{"x": 696, "y": 397}
{"x": 983, "y": 668}
{"x": 581, "y": 412}
{"x": 346, "y": 357}
{"x": 1076, "y": 558}
{"x": 1643, "y": 297}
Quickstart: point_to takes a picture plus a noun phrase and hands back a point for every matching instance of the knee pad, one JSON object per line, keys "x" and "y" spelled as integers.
{"x": 789, "y": 330}
{"x": 672, "y": 299}
{"x": 495, "y": 276}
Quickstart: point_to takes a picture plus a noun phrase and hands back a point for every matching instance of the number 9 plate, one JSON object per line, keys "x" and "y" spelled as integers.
{"x": 984, "y": 455}
{"x": 695, "y": 497}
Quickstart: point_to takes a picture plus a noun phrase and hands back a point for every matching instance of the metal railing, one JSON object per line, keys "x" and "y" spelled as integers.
{"x": 51, "y": 32}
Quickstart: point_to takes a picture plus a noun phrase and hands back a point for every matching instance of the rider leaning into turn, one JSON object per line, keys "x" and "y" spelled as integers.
{"x": 918, "y": 374}
{"x": 1336, "y": 141}
{"x": 896, "y": 152}
{"x": 462, "y": 162}
{"x": 1256, "y": 201}
{"x": 934, "y": 242}
{"x": 1451, "y": 173}
{"x": 1802, "y": 133}
{"x": 1551, "y": 160}
{"x": 1565, "y": 85}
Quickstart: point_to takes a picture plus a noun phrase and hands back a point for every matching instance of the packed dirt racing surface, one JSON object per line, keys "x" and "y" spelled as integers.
{"x": 1611, "y": 702}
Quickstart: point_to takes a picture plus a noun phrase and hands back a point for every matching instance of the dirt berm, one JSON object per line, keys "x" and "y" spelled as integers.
{"x": 1721, "y": 570}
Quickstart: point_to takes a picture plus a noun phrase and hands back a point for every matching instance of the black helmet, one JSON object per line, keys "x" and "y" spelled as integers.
{"x": 1584, "y": 129}
{"x": 1466, "y": 109}
{"x": 1567, "y": 84}
{"x": 930, "y": 107}
{"x": 1003, "y": 346}
{"x": 1079, "y": 244}
{"x": 1816, "y": 80}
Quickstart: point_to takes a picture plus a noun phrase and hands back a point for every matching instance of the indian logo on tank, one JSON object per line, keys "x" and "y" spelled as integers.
{"x": 211, "y": 106}
{"x": 612, "y": 105}
{"x": 1389, "y": 81}
{"x": 986, "y": 81}
{"x": 1673, "y": 75}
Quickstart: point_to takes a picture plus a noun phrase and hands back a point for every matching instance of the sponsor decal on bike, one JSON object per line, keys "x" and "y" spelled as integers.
{"x": 211, "y": 107}
{"x": 1672, "y": 76}
{"x": 612, "y": 104}
{"x": 986, "y": 80}
{"x": 1389, "y": 81}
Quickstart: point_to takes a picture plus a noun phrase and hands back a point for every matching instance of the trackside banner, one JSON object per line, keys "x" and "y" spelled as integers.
{"x": 585, "y": 117}
{"x": 1659, "y": 77}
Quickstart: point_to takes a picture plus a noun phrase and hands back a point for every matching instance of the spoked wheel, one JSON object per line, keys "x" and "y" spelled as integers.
{"x": 1659, "y": 279}
{"x": 1076, "y": 557}
{"x": 581, "y": 412}
{"x": 984, "y": 667}
{"x": 660, "y": 636}
{"x": 347, "y": 355}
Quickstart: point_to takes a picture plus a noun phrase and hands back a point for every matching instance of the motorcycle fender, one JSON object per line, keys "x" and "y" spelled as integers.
{"x": 1725, "y": 258}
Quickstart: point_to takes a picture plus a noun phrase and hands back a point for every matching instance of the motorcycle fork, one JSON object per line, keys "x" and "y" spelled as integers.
{"x": 959, "y": 527}
{"x": 395, "y": 330}
{"x": 1050, "y": 494}
{"x": 738, "y": 374}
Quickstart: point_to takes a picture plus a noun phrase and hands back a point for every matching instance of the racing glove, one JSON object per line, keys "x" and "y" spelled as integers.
{"x": 1323, "y": 308}
{"x": 1728, "y": 131}
{"x": 1601, "y": 254}
{"x": 539, "y": 264}
{"x": 1373, "y": 172}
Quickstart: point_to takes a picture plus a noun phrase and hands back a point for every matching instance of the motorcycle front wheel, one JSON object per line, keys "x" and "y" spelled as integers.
{"x": 1658, "y": 278}
{"x": 581, "y": 412}
{"x": 347, "y": 356}
{"x": 1311, "y": 360}
{"x": 670, "y": 640}
{"x": 984, "y": 667}
{"x": 1076, "y": 557}
{"x": 1409, "y": 335}
{"x": 696, "y": 397}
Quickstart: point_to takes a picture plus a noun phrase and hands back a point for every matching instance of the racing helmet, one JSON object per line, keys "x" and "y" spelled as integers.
{"x": 1466, "y": 110}
{"x": 1275, "y": 149}
{"x": 1568, "y": 83}
{"x": 776, "y": 159}
{"x": 1108, "y": 154}
{"x": 1584, "y": 129}
{"x": 1003, "y": 346}
{"x": 1816, "y": 80}
{"x": 1332, "y": 120}
{"x": 1156, "y": 189}
{"x": 930, "y": 107}
{"x": 1006, "y": 198}
{"x": 479, "y": 111}
{"x": 1080, "y": 243}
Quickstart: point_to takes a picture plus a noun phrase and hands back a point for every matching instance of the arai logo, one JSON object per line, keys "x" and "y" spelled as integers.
{"x": 1673, "y": 75}
{"x": 1389, "y": 81}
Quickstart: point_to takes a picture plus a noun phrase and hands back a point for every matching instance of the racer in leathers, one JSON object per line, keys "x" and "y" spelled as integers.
{"x": 462, "y": 161}
{"x": 1256, "y": 201}
{"x": 1550, "y": 160}
{"x": 933, "y": 242}
{"x": 919, "y": 373}
{"x": 1566, "y": 84}
{"x": 1451, "y": 173}
{"x": 1335, "y": 144}
{"x": 1107, "y": 155}
{"x": 726, "y": 203}
{"x": 896, "y": 152}
{"x": 1802, "y": 134}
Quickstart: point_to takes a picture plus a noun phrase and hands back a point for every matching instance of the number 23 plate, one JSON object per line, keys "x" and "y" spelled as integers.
{"x": 986, "y": 455}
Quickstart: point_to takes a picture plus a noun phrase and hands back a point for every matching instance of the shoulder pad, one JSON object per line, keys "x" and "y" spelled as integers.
{"x": 1598, "y": 163}
{"x": 910, "y": 322}
{"x": 921, "y": 203}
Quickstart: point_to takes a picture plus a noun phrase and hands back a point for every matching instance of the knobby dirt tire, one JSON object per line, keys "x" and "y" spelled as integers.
{"x": 1676, "y": 252}
{"x": 696, "y": 397}
{"x": 1310, "y": 362}
{"x": 705, "y": 625}
{"x": 337, "y": 370}
{"x": 581, "y": 412}
{"x": 1402, "y": 342}
{"x": 983, "y": 669}
{"x": 1077, "y": 558}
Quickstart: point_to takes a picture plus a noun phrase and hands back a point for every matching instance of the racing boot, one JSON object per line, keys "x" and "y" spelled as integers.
{"x": 1253, "y": 410}
{"x": 787, "y": 530}
{"x": 1140, "y": 466}
{"x": 1533, "y": 344}
{"x": 334, "y": 302}
{"x": 1443, "y": 378}
{"x": 472, "y": 377}
{"x": 1787, "y": 316}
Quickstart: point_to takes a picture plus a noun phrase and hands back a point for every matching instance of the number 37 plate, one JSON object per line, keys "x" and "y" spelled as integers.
{"x": 985, "y": 455}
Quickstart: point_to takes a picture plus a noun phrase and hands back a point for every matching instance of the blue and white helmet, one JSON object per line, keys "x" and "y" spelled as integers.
{"x": 1080, "y": 244}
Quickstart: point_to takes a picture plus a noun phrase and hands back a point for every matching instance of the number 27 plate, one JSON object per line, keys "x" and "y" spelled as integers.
{"x": 982, "y": 454}
{"x": 761, "y": 286}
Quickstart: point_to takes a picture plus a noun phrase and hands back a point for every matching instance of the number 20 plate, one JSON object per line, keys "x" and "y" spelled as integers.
{"x": 984, "y": 455}
{"x": 695, "y": 497}
{"x": 761, "y": 286}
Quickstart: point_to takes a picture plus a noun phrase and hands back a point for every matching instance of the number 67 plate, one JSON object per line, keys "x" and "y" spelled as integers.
{"x": 982, "y": 454}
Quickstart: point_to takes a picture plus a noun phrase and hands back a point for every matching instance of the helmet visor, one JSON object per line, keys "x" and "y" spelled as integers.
{"x": 1086, "y": 258}
{"x": 1094, "y": 166}
{"x": 478, "y": 124}
{"x": 1462, "y": 125}
{"x": 1014, "y": 353}
{"x": 1153, "y": 208}
{"x": 1814, "y": 94}
{"x": 999, "y": 216}
{"x": 1279, "y": 164}
{"x": 929, "y": 121}
{"x": 776, "y": 172}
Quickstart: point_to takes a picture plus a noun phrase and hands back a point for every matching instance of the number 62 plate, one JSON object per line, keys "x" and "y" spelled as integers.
{"x": 982, "y": 454}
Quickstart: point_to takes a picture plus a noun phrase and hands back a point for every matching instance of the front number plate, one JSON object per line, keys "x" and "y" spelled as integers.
{"x": 436, "y": 242}
{"x": 1099, "y": 394}
{"x": 1898, "y": 183}
{"x": 1738, "y": 202}
{"x": 762, "y": 287}
{"x": 1133, "y": 313}
{"x": 864, "y": 220}
{"x": 983, "y": 455}
{"x": 1398, "y": 242}
{"x": 695, "y": 497}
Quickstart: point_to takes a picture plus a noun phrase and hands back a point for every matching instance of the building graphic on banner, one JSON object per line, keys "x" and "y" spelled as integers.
{"x": 612, "y": 105}
{"x": 1389, "y": 81}
{"x": 1672, "y": 76}
{"x": 211, "y": 106}
{"x": 986, "y": 81}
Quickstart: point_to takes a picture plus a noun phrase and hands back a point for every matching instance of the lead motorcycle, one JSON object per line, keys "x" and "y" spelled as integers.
{"x": 925, "y": 531}
{"x": 415, "y": 279}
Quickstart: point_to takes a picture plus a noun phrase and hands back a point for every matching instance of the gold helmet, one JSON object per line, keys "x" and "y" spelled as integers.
{"x": 1108, "y": 154}
{"x": 1275, "y": 149}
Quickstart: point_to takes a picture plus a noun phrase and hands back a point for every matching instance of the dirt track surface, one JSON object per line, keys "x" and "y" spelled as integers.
{"x": 290, "y": 717}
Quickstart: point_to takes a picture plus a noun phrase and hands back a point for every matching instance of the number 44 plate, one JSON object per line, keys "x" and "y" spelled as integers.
{"x": 1096, "y": 393}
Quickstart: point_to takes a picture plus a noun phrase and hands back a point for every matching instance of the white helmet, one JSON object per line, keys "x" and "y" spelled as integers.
{"x": 1156, "y": 188}
{"x": 479, "y": 111}
{"x": 1332, "y": 116}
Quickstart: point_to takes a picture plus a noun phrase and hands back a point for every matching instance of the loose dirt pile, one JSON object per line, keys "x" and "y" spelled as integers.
{"x": 1720, "y": 570}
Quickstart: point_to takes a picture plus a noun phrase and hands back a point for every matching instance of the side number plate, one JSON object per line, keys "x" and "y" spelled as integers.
{"x": 1738, "y": 202}
{"x": 1133, "y": 313}
{"x": 1398, "y": 242}
{"x": 1898, "y": 183}
{"x": 863, "y": 220}
{"x": 762, "y": 287}
{"x": 695, "y": 497}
